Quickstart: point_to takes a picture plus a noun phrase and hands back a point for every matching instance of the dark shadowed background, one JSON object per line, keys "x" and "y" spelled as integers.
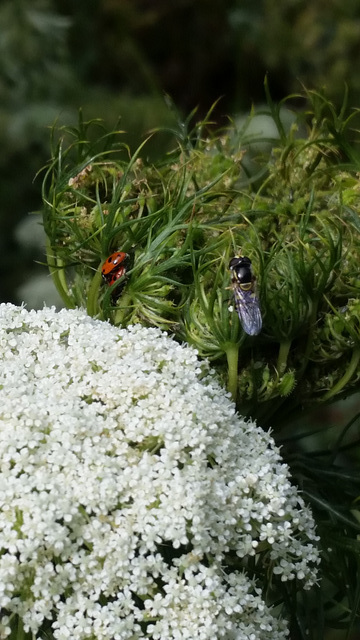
{"x": 118, "y": 57}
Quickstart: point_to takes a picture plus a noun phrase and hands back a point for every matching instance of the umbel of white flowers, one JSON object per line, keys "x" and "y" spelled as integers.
{"x": 126, "y": 481}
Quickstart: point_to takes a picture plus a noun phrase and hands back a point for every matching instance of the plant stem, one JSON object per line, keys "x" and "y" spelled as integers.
{"x": 121, "y": 311}
{"x": 355, "y": 358}
{"x": 232, "y": 355}
{"x": 20, "y": 630}
{"x": 57, "y": 274}
{"x": 92, "y": 306}
{"x": 283, "y": 356}
{"x": 310, "y": 337}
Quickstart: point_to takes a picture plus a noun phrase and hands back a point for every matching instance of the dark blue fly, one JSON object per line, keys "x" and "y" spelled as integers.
{"x": 246, "y": 302}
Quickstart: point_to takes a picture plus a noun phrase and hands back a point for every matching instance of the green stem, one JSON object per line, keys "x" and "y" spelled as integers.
{"x": 58, "y": 275}
{"x": 123, "y": 309}
{"x": 346, "y": 377}
{"x": 283, "y": 356}
{"x": 20, "y": 630}
{"x": 309, "y": 341}
{"x": 232, "y": 355}
{"x": 92, "y": 306}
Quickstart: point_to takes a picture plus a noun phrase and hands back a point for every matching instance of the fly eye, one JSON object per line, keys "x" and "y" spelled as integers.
{"x": 239, "y": 261}
{"x": 234, "y": 263}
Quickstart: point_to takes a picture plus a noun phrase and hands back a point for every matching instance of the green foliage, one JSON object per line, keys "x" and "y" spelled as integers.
{"x": 183, "y": 218}
{"x": 314, "y": 41}
{"x": 326, "y": 467}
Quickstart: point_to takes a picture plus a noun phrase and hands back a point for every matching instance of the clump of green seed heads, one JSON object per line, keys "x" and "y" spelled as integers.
{"x": 292, "y": 207}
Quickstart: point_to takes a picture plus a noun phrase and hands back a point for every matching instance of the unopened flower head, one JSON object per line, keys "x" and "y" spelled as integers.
{"x": 126, "y": 481}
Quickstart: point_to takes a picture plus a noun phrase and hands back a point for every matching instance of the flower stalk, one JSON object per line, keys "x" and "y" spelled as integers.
{"x": 284, "y": 349}
{"x": 56, "y": 268}
{"x": 348, "y": 375}
{"x": 232, "y": 357}
{"x": 92, "y": 306}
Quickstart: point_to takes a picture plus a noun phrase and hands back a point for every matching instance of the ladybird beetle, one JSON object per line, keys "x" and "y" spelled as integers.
{"x": 113, "y": 269}
{"x": 115, "y": 275}
{"x": 112, "y": 264}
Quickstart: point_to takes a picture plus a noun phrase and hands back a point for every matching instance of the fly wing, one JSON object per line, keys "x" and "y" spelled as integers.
{"x": 248, "y": 308}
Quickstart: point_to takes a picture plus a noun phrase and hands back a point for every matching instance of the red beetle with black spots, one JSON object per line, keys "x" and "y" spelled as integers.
{"x": 114, "y": 268}
{"x": 112, "y": 263}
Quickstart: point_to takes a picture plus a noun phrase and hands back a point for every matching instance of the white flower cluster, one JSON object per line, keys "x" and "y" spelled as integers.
{"x": 126, "y": 481}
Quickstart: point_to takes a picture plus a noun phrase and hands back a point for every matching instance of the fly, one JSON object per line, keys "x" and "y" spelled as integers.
{"x": 246, "y": 302}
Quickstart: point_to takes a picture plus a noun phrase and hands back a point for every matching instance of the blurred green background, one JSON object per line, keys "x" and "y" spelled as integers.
{"x": 117, "y": 58}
